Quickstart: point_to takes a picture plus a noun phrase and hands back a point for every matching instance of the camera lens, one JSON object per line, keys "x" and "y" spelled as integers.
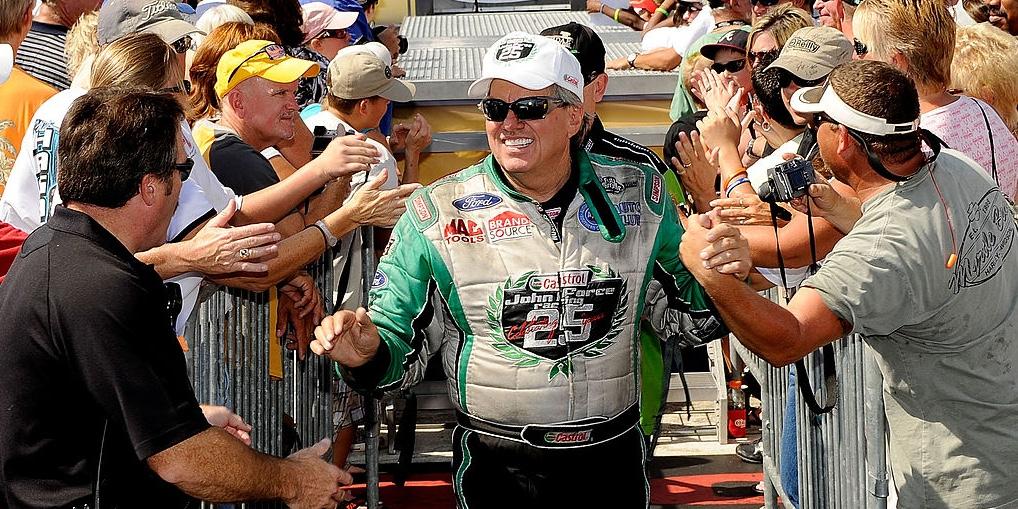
{"x": 403, "y": 44}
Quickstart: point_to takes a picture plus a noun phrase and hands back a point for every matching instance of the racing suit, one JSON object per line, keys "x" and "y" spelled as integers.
{"x": 541, "y": 340}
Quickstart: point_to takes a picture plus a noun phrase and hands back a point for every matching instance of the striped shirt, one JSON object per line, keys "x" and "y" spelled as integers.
{"x": 42, "y": 55}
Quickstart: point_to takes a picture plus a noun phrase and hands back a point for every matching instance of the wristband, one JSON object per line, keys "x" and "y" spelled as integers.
{"x": 330, "y": 239}
{"x": 724, "y": 185}
{"x": 616, "y": 16}
{"x": 662, "y": 11}
{"x": 733, "y": 184}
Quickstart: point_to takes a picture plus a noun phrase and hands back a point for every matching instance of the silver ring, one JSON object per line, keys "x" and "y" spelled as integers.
{"x": 687, "y": 165}
{"x": 244, "y": 253}
{"x": 707, "y": 88}
{"x": 742, "y": 220}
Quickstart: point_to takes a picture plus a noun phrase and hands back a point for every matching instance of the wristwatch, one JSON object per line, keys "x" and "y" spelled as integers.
{"x": 632, "y": 60}
{"x": 330, "y": 239}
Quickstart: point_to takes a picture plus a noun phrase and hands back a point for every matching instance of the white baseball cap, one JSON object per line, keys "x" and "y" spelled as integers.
{"x": 371, "y": 48}
{"x": 530, "y": 61}
{"x": 6, "y": 62}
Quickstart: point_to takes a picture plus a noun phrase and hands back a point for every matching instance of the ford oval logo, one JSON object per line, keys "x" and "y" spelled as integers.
{"x": 476, "y": 201}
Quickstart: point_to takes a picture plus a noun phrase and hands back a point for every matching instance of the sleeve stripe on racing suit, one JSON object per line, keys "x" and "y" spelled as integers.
{"x": 705, "y": 324}
{"x": 418, "y": 324}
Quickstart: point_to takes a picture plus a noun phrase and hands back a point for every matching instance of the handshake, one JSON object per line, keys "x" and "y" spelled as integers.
{"x": 711, "y": 248}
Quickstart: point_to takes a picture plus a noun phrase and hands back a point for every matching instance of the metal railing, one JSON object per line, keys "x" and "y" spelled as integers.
{"x": 841, "y": 456}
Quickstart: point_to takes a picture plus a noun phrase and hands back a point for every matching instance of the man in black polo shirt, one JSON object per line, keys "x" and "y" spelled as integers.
{"x": 97, "y": 406}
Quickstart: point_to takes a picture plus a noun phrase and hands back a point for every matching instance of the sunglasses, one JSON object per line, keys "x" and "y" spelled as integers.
{"x": 273, "y": 51}
{"x": 182, "y": 45}
{"x": 732, "y": 67}
{"x": 525, "y": 108}
{"x": 184, "y": 168}
{"x": 184, "y": 86}
{"x": 860, "y": 47}
{"x": 765, "y": 3}
{"x": 788, "y": 78}
{"x": 819, "y": 118}
{"x": 756, "y": 56}
{"x": 334, "y": 34}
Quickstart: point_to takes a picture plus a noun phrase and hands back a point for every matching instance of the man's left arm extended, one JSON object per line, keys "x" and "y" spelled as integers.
{"x": 779, "y": 335}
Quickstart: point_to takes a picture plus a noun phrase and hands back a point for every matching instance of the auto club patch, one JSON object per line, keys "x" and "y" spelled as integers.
{"x": 543, "y": 319}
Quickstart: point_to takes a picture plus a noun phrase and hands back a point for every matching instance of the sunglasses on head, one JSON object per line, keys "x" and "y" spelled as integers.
{"x": 184, "y": 86}
{"x": 860, "y": 47}
{"x": 182, "y": 45}
{"x": 525, "y": 108}
{"x": 732, "y": 67}
{"x": 273, "y": 51}
{"x": 184, "y": 168}
{"x": 788, "y": 78}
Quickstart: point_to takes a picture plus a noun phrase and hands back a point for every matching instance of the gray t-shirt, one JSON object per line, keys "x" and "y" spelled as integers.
{"x": 946, "y": 339}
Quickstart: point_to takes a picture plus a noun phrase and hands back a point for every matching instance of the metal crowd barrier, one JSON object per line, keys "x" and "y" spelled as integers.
{"x": 229, "y": 361}
{"x": 841, "y": 457}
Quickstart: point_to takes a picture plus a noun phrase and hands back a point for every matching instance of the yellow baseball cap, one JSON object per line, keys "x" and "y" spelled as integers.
{"x": 264, "y": 59}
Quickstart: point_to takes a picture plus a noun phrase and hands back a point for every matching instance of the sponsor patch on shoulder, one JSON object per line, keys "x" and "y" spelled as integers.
{"x": 586, "y": 218}
{"x": 393, "y": 239}
{"x": 510, "y": 225}
{"x": 655, "y": 189}
{"x": 612, "y": 185}
{"x": 476, "y": 201}
{"x": 380, "y": 280}
{"x": 421, "y": 209}
{"x": 463, "y": 230}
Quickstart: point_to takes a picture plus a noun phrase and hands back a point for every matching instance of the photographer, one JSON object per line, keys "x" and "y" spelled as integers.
{"x": 933, "y": 245}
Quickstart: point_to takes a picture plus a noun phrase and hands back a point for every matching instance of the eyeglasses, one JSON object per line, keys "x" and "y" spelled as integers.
{"x": 184, "y": 86}
{"x": 273, "y": 51}
{"x": 860, "y": 47}
{"x": 334, "y": 34}
{"x": 182, "y": 45}
{"x": 821, "y": 117}
{"x": 732, "y": 67}
{"x": 184, "y": 168}
{"x": 788, "y": 78}
{"x": 756, "y": 56}
{"x": 525, "y": 108}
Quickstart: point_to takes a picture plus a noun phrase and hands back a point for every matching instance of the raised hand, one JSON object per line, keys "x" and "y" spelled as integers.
{"x": 347, "y": 155}
{"x": 370, "y": 205}
{"x": 219, "y": 248}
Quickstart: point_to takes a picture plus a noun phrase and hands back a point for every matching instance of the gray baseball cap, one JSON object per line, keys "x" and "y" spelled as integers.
{"x": 118, "y": 18}
{"x": 813, "y": 52}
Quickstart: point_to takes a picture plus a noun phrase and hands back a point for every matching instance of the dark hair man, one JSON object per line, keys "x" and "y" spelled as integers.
{"x": 96, "y": 399}
{"x": 927, "y": 274}
{"x": 541, "y": 307}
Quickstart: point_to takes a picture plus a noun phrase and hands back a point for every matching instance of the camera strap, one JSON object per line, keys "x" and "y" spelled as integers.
{"x": 827, "y": 351}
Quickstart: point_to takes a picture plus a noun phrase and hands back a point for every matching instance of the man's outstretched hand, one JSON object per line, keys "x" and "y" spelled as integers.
{"x": 347, "y": 337}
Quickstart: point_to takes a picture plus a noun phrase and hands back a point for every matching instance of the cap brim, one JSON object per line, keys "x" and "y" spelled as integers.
{"x": 6, "y": 62}
{"x": 802, "y": 70}
{"x": 807, "y": 100}
{"x": 342, "y": 20}
{"x": 479, "y": 88}
{"x": 711, "y": 50}
{"x": 171, "y": 30}
{"x": 290, "y": 70}
{"x": 399, "y": 91}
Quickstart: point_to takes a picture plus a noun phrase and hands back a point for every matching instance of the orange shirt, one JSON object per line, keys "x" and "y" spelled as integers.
{"x": 19, "y": 98}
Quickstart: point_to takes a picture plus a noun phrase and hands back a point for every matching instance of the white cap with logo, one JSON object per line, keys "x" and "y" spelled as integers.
{"x": 530, "y": 61}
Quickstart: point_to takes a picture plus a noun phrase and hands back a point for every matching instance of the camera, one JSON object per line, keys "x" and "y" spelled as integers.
{"x": 322, "y": 139}
{"x": 788, "y": 180}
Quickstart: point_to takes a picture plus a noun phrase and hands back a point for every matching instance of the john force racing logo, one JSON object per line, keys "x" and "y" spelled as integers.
{"x": 543, "y": 319}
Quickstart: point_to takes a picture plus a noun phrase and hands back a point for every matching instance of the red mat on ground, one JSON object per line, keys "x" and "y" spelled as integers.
{"x": 434, "y": 491}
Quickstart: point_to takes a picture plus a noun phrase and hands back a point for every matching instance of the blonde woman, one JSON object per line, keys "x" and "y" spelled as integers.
{"x": 81, "y": 47}
{"x": 771, "y": 30}
{"x": 986, "y": 67}
{"x": 918, "y": 37}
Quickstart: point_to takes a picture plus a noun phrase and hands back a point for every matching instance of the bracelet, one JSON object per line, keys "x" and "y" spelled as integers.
{"x": 749, "y": 151}
{"x": 737, "y": 175}
{"x": 735, "y": 183}
{"x": 662, "y": 11}
{"x": 330, "y": 239}
{"x": 600, "y": 8}
{"x": 616, "y": 16}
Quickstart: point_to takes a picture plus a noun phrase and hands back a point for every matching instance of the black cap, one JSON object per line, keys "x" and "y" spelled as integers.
{"x": 735, "y": 40}
{"x": 584, "y": 44}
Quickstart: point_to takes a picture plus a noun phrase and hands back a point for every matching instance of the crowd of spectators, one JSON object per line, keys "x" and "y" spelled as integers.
{"x": 236, "y": 96}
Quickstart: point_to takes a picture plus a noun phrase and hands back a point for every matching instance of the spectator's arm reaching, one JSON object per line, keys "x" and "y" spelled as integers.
{"x": 660, "y": 59}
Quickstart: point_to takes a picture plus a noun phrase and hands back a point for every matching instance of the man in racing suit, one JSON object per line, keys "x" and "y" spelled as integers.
{"x": 539, "y": 273}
